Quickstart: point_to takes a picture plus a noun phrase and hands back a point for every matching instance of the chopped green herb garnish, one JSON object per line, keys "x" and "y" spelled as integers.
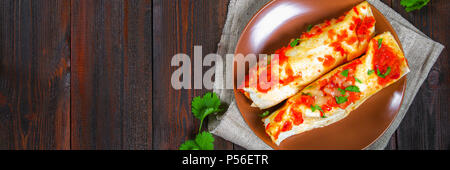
{"x": 357, "y": 80}
{"x": 295, "y": 42}
{"x": 203, "y": 141}
{"x": 370, "y": 72}
{"x": 380, "y": 42}
{"x": 385, "y": 74}
{"x": 344, "y": 73}
{"x": 266, "y": 113}
{"x": 317, "y": 107}
{"x": 342, "y": 91}
{"x": 309, "y": 87}
{"x": 313, "y": 108}
{"x": 269, "y": 58}
{"x": 309, "y": 27}
{"x": 352, "y": 89}
{"x": 308, "y": 94}
{"x": 341, "y": 99}
{"x": 202, "y": 107}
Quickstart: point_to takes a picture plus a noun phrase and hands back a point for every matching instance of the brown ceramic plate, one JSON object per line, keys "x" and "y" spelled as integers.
{"x": 273, "y": 27}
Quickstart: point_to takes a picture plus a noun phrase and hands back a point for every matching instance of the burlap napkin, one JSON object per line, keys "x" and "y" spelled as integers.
{"x": 420, "y": 51}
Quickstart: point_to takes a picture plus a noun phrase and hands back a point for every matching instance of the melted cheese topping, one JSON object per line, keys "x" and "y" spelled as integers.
{"x": 335, "y": 95}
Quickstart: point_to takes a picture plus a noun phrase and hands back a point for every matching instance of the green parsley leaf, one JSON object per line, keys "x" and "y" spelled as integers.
{"x": 264, "y": 114}
{"x": 295, "y": 42}
{"x": 357, "y": 80}
{"x": 344, "y": 73}
{"x": 370, "y": 72}
{"x": 269, "y": 58}
{"x": 341, "y": 99}
{"x": 309, "y": 87}
{"x": 189, "y": 145}
{"x": 411, "y": 5}
{"x": 204, "y": 106}
{"x": 309, "y": 27}
{"x": 380, "y": 42}
{"x": 313, "y": 108}
{"x": 385, "y": 74}
{"x": 342, "y": 91}
{"x": 352, "y": 89}
{"x": 205, "y": 141}
{"x": 318, "y": 107}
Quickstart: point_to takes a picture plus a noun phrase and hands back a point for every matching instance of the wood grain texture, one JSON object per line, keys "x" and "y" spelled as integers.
{"x": 111, "y": 74}
{"x": 34, "y": 74}
{"x": 178, "y": 27}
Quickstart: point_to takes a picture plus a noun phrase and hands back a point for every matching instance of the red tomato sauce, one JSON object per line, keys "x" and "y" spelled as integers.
{"x": 383, "y": 58}
{"x": 290, "y": 76}
{"x": 331, "y": 34}
{"x": 268, "y": 126}
{"x": 337, "y": 47}
{"x": 297, "y": 117}
{"x": 341, "y": 18}
{"x": 305, "y": 100}
{"x": 356, "y": 10}
{"x": 351, "y": 40}
{"x": 279, "y": 116}
{"x": 282, "y": 58}
{"x": 286, "y": 126}
{"x": 257, "y": 74}
{"x": 277, "y": 134}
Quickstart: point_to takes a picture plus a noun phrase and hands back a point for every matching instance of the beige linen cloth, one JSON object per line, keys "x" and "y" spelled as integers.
{"x": 420, "y": 51}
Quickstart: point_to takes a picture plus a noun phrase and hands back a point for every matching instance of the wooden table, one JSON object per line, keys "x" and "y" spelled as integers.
{"x": 95, "y": 74}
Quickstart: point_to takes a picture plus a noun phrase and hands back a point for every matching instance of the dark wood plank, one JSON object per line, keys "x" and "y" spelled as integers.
{"x": 178, "y": 26}
{"x": 34, "y": 74}
{"x": 425, "y": 126}
{"x": 111, "y": 74}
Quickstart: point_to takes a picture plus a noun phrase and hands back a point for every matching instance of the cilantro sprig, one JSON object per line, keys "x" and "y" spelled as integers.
{"x": 295, "y": 42}
{"x": 411, "y": 5}
{"x": 202, "y": 107}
